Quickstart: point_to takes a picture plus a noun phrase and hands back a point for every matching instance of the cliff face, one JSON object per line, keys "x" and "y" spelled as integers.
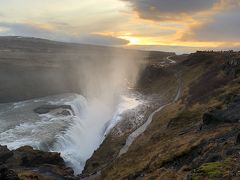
{"x": 196, "y": 137}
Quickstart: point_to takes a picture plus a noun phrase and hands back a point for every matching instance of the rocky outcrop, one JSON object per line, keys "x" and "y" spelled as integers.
{"x": 27, "y": 163}
{"x": 63, "y": 109}
{"x": 232, "y": 66}
{"x": 5, "y": 154}
{"x": 7, "y": 174}
{"x": 230, "y": 114}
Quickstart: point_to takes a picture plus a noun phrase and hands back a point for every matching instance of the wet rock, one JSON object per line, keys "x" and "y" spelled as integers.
{"x": 65, "y": 113}
{"x": 48, "y": 108}
{"x": 5, "y": 154}
{"x": 31, "y": 157}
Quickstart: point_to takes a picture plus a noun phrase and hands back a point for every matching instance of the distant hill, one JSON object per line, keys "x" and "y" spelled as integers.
{"x": 33, "y": 67}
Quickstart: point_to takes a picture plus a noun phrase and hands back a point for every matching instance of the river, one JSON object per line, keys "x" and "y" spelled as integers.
{"x": 75, "y": 134}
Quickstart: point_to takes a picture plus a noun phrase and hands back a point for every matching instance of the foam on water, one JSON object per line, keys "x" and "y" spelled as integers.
{"x": 21, "y": 126}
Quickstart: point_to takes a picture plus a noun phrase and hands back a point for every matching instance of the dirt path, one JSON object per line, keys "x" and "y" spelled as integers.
{"x": 142, "y": 128}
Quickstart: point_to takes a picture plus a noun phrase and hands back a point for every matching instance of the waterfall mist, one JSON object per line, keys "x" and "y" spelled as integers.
{"x": 102, "y": 78}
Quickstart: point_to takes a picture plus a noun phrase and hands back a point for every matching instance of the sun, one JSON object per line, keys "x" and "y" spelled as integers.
{"x": 132, "y": 40}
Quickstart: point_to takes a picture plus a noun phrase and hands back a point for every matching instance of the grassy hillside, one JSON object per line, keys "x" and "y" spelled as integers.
{"x": 184, "y": 142}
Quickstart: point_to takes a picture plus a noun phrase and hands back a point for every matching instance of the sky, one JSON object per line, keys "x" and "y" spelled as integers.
{"x": 181, "y": 26}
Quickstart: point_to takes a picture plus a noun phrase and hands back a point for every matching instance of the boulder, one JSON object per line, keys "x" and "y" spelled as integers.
{"x": 231, "y": 150}
{"x": 238, "y": 139}
{"x": 44, "y": 109}
{"x": 213, "y": 157}
{"x": 31, "y": 157}
{"x": 230, "y": 114}
{"x": 7, "y": 174}
{"x": 5, "y": 154}
{"x": 28, "y": 163}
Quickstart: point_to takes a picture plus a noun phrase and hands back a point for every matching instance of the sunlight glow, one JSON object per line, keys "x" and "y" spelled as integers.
{"x": 114, "y": 19}
{"x": 132, "y": 40}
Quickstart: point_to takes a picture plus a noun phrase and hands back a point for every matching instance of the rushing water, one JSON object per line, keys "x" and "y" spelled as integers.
{"x": 75, "y": 135}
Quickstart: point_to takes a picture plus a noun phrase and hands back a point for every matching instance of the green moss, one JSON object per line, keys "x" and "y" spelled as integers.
{"x": 195, "y": 178}
{"x": 209, "y": 170}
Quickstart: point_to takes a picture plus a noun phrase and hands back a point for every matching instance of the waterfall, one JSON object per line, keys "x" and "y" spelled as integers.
{"x": 76, "y": 135}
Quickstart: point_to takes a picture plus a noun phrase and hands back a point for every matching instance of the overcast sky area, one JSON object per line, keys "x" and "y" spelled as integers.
{"x": 167, "y": 25}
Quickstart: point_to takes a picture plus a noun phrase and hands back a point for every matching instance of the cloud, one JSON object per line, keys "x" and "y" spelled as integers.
{"x": 30, "y": 30}
{"x": 223, "y": 26}
{"x": 170, "y": 9}
{"x": 21, "y": 29}
{"x": 103, "y": 40}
